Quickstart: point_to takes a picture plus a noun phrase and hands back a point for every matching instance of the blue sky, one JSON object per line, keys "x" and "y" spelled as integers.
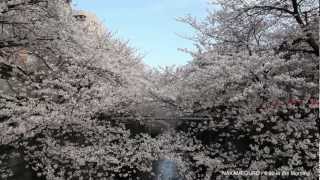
{"x": 149, "y": 25}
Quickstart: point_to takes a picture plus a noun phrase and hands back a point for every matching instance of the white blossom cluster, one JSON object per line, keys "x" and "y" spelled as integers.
{"x": 76, "y": 98}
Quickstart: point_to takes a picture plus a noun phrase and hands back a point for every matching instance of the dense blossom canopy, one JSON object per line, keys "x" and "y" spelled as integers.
{"x": 73, "y": 99}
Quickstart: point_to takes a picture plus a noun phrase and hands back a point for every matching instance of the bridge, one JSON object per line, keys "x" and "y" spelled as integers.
{"x": 170, "y": 118}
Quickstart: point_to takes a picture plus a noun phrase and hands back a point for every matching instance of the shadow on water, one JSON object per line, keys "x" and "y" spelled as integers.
{"x": 162, "y": 169}
{"x": 165, "y": 170}
{"x": 137, "y": 127}
{"x": 16, "y": 163}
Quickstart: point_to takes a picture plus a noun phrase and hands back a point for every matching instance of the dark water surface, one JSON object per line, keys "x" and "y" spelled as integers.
{"x": 162, "y": 169}
{"x": 20, "y": 169}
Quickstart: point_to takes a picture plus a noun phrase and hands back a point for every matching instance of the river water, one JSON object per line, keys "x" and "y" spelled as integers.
{"x": 165, "y": 170}
{"x": 162, "y": 169}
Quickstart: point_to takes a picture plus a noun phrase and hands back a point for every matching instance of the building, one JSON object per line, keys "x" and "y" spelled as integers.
{"x": 90, "y": 22}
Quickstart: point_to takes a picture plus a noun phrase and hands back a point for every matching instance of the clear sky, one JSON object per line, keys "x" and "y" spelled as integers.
{"x": 149, "y": 25}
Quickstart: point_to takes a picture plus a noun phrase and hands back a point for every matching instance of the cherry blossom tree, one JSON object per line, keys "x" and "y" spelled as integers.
{"x": 255, "y": 75}
{"x": 280, "y": 25}
{"x": 52, "y": 112}
{"x": 252, "y": 84}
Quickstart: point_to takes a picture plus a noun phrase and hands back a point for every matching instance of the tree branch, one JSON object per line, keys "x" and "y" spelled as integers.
{"x": 296, "y": 12}
{"x": 269, "y": 8}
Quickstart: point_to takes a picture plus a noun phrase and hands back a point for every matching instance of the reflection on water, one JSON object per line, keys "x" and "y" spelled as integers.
{"x": 162, "y": 169}
{"x": 18, "y": 166}
{"x": 165, "y": 170}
